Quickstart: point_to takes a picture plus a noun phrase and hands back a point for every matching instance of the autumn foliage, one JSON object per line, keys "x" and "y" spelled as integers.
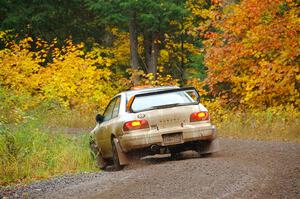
{"x": 70, "y": 76}
{"x": 251, "y": 52}
{"x": 253, "y": 56}
{"x": 59, "y": 67}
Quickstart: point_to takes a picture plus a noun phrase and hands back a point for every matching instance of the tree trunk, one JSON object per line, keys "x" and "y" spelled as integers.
{"x": 147, "y": 49}
{"x": 134, "y": 62}
{"x": 154, "y": 57}
{"x": 151, "y": 47}
{"x": 182, "y": 50}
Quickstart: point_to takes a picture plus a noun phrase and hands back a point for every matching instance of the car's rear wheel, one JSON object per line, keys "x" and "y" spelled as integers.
{"x": 95, "y": 152}
{"x": 205, "y": 155}
{"x": 115, "y": 157}
{"x": 176, "y": 156}
{"x": 202, "y": 149}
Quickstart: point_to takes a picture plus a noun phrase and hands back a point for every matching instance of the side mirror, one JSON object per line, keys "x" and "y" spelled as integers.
{"x": 99, "y": 118}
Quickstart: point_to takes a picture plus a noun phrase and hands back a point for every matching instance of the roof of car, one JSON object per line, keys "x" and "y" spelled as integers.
{"x": 148, "y": 90}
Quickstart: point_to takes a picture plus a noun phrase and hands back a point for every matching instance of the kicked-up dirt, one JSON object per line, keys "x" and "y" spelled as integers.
{"x": 242, "y": 169}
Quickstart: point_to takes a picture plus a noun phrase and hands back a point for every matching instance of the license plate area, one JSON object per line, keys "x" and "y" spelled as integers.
{"x": 172, "y": 138}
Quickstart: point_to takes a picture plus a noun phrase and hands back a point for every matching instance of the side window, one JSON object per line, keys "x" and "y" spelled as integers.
{"x": 116, "y": 108}
{"x": 108, "y": 111}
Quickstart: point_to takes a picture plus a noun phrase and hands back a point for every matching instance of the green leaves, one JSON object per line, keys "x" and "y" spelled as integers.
{"x": 151, "y": 15}
{"x": 49, "y": 19}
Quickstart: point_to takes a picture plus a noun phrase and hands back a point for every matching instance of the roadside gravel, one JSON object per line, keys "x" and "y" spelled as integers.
{"x": 242, "y": 169}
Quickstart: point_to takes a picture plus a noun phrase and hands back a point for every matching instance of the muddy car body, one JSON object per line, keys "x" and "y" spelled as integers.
{"x": 152, "y": 121}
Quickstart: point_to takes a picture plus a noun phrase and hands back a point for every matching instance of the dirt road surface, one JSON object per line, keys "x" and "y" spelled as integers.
{"x": 242, "y": 169}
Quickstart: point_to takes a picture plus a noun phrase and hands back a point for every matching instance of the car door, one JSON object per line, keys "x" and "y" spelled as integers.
{"x": 110, "y": 126}
{"x": 102, "y": 134}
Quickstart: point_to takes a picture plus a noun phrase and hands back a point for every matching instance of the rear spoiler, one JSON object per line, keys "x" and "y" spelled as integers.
{"x": 131, "y": 100}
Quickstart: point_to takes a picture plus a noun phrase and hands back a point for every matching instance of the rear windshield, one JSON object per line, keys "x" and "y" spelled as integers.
{"x": 149, "y": 102}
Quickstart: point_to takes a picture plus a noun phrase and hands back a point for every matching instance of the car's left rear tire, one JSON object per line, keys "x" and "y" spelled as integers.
{"x": 115, "y": 156}
{"x": 205, "y": 155}
{"x": 207, "y": 148}
{"x": 176, "y": 155}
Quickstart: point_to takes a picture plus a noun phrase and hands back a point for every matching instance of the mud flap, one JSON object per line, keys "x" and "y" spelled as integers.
{"x": 210, "y": 147}
{"x": 123, "y": 159}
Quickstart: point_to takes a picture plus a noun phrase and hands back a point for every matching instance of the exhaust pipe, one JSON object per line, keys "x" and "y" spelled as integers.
{"x": 154, "y": 148}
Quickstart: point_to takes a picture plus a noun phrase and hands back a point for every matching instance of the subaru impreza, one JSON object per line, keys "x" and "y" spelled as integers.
{"x": 151, "y": 121}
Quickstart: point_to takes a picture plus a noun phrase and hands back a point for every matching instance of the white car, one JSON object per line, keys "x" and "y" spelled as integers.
{"x": 152, "y": 121}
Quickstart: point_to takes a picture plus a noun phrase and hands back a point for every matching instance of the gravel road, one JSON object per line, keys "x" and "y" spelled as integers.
{"x": 242, "y": 169}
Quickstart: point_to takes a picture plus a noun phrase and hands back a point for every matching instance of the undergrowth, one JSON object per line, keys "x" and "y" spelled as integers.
{"x": 280, "y": 123}
{"x": 27, "y": 153}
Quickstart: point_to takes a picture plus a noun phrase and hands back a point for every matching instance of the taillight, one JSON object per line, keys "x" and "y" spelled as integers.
{"x": 199, "y": 116}
{"x": 135, "y": 124}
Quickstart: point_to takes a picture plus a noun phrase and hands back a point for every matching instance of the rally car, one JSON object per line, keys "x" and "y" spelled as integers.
{"x": 152, "y": 121}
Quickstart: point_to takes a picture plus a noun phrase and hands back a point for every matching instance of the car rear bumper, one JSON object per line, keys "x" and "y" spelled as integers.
{"x": 143, "y": 139}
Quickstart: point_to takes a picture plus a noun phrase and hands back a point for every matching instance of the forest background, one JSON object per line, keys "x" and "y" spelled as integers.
{"x": 62, "y": 61}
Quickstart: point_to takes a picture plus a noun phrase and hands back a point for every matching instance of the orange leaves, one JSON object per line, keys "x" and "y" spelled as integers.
{"x": 253, "y": 56}
{"x": 196, "y": 83}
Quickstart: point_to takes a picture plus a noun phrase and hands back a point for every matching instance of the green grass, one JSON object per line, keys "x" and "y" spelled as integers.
{"x": 69, "y": 119}
{"x": 34, "y": 143}
{"x": 27, "y": 153}
{"x": 263, "y": 125}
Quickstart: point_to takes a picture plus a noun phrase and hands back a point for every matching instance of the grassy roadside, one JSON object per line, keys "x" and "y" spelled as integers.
{"x": 28, "y": 153}
{"x": 264, "y": 125}
{"x": 34, "y": 144}
{"x": 280, "y": 123}
{"x": 275, "y": 131}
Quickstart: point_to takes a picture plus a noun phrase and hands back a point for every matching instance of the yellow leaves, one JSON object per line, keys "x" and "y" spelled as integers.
{"x": 118, "y": 53}
{"x": 149, "y": 79}
{"x": 200, "y": 10}
{"x": 164, "y": 55}
{"x": 204, "y": 13}
{"x": 216, "y": 110}
{"x": 19, "y": 65}
{"x": 74, "y": 78}
{"x": 2, "y": 34}
{"x": 196, "y": 83}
